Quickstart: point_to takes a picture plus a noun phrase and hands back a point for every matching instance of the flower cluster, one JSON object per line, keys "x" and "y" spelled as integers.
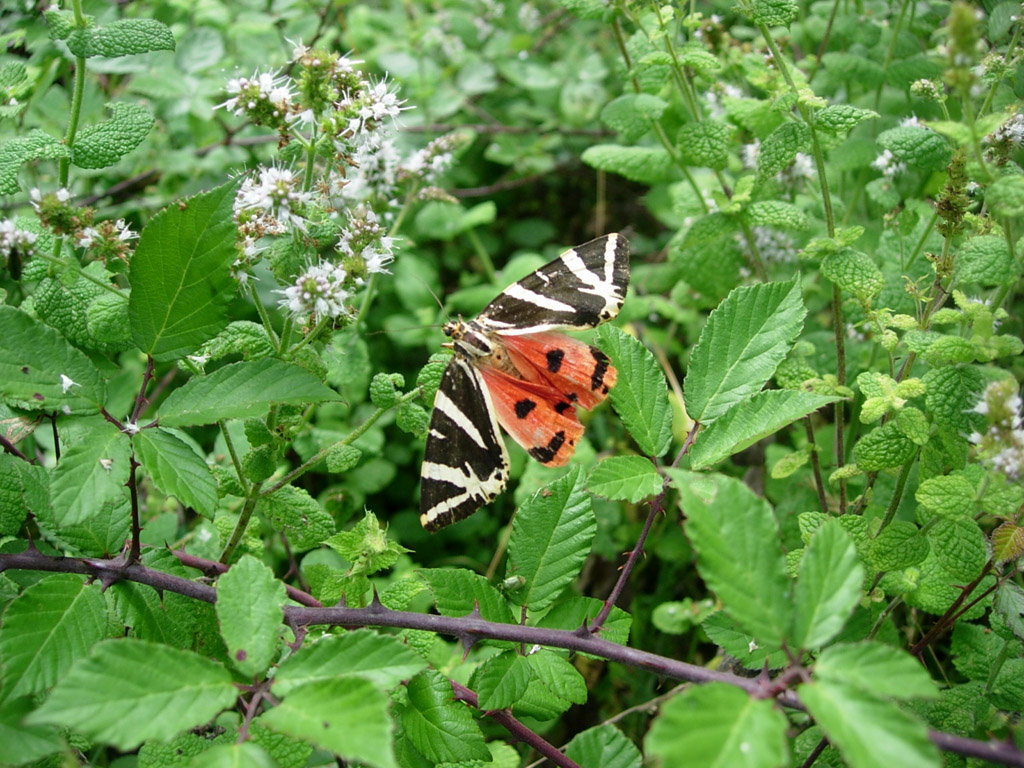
{"x": 13, "y": 240}
{"x": 1007, "y": 138}
{"x": 319, "y": 290}
{"x": 889, "y": 166}
{"x": 364, "y": 246}
{"x": 107, "y": 241}
{"x": 266, "y": 98}
{"x": 1002, "y": 444}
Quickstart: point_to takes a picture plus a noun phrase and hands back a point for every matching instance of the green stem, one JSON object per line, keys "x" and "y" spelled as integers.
{"x": 65, "y": 263}
{"x": 892, "y": 48}
{"x": 483, "y": 255}
{"x": 233, "y": 453}
{"x": 920, "y": 243}
{"x": 897, "y": 494}
{"x": 243, "y": 522}
{"x": 312, "y": 335}
{"x": 268, "y": 326}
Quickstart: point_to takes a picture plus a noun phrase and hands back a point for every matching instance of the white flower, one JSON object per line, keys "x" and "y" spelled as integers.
{"x": 123, "y": 232}
{"x": 63, "y": 195}
{"x": 749, "y": 154}
{"x": 911, "y": 122}
{"x": 263, "y": 88}
{"x": 319, "y": 289}
{"x": 888, "y": 164}
{"x": 275, "y": 195}
{"x": 87, "y": 237}
{"x": 14, "y": 239}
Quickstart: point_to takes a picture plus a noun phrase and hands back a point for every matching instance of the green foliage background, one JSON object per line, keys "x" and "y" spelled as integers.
{"x": 803, "y": 502}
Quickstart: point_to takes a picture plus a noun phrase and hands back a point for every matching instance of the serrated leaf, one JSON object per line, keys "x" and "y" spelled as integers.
{"x": 876, "y": 670}
{"x": 632, "y": 114}
{"x": 176, "y": 469}
{"x": 295, "y": 513}
{"x": 575, "y": 611}
{"x": 745, "y": 339}
{"x": 501, "y": 680}
{"x": 640, "y": 396}
{"x": 35, "y": 145}
{"x": 90, "y": 475}
{"x": 605, "y": 746}
{"x": 241, "y": 390}
{"x": 883, "y": 447}
{"x": 556, "y": 674}
{"x": 960, "y": 547}
{"x": 1006, "y": 197}
{"x": 103, "y": 144}
{"x": 457, "y": 591}
{"x": 1009, "y": 603}
{"x": 347, "y": 716}
{"x": 40, "y": 370}
{"x": 157, "y": 692}
{"x": 734, "y": 534}
{"x": 704, "y": 144}
{"x": 181, "y": 274}
{"x": 715, "y": 725}
{"x": 46, "y": 629}
{"x": 869, "y": 732}
{"x": 828, "y": 588}
{"x": 773, "y": 13}
{"x": 899, "y": 545}
{"x": 1007, "y": 542}
{"x": 627, "y": 478}
{"x": 24, "y": 488}
{"x": 123, "y": 37}
{"x": 645, "y": 165}
{"x": 24, "y": 744}
{"x": 244, "y": 755}
{"x": 951, "y": 392}
{"x": 780, "y": 147}
{"x": 840, "y": 118}
{"x": 442, "y": 729}
{"x": 745, "y": 423}
{"x": 854, "y": 272}
{"x": 776, "y": 214}
{"x": 985, "y": 260}
{"x": 916, "y": 146}
{"x": 750, "y": 653}
{"x": 551, "y": 538}
{"x": 382, "y": 659}
{"x": 249, "y": 600}
{"x": 948, "y": 496}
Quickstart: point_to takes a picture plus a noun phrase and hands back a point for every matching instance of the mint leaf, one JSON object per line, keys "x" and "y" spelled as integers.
{"x": 551, "y": 538}
{"x": 765, "y": 413}
{"x": 828, "y": 588}
{"x": 347, "y": 716}
{"x": 948, "y": 496}
{"x": 715, "y": 725}
{"x": 733, "y": 532}
{"x": 627, "y": 478}
{"x": 249, "y": 600}
{"x": 241, "y": 390}
{"x": 123, "y": 37}
{"x": 773, "y": 13}
{"x": 854, "y": 272}
{"x": 244, "y": 755}
{"x": 780, "y": 147}
{"x": 102, "y": 145}
{"x": 40, "y": 370}
{"x": 646, "y": 165}
{"x": 176, "y": 469}
{"x": 35, "y": 145}
{"x": 384, "y": 660}
{"x": 46, "y": 629}
{"x": 298, "y": 515}
{"x": 640, "y": 396}
{"x": 745, "y": 339}
{"x": 916, "y": 146}
{"x": 442, "y": 729}
{"x": 157, "y": 692}
{"x": 898, "y": 545}
{"x": 632, "y": 114}
{"x": 704, "y": 144}
{"x": 181, "y": 274}
{"x": 960, "y": 547}
{"x": 883, "y": 447}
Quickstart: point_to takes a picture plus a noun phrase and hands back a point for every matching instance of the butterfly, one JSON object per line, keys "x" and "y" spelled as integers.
{"x": 511, "y": 367}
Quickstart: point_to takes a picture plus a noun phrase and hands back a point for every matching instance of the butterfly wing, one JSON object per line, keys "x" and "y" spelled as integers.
{"x": 582, "y": 288}
{"x": 581, "y": 373}
{"x": 465, "y": 464}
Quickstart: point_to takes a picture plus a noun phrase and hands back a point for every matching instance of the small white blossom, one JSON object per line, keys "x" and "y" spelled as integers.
{"x": 263, "y": 89}
{"x": 319, "y": 289}
{"x": 14, "y": 239}
{"x": 889, "y": 165}
{"x": 749, "y": 154}
{"x": 911, "y": 122}
{"x": 275, "y": 195}
{"x": 87, "y": 237}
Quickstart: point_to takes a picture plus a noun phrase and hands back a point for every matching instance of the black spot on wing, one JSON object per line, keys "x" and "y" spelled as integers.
{"x": 523, "y": 408}
{"x": 555, "y": 357}
{"x": 600, "y": 369}
{"x": 546, "y": 453}
{"x": 562, "y": 406}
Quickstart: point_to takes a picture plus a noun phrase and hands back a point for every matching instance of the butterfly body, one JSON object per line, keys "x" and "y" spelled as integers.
{"x": 511, "y": 367}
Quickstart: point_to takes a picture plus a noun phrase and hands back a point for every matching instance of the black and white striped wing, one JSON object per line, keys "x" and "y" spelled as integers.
{"x": 465, "y": 464}
{"x": 583, "y": 287}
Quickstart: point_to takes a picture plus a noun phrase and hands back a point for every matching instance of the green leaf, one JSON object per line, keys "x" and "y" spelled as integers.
{"x": 899, "y": 545}
{"x": 123, "y": 37}
{"x": 745, "y": 339}
{"x": 960, "y": 547}
{"x": 249, "y": 600}
{"x": 347, "y": 716}
{"x": 181, "y": 274}
{"x": 103, "y": 144}
{"x": 605, "y": 746}
{"x": 745, "y": 423}
{"x": 442, "y": 729}
{"x": 704, "y": 144}
{"x": 366, "y": 546}
{"x": 883, "y": 447}
{"x": 869, "y": 732}
{"x": 157, "y": 692}
{"x": 777, "y": 215}
{"x": 244, "y": 755}
{"x": 951, "y": 392}
{"x": 949, "y": 496}
{"x": 501, "y": 680}
{"x": 550, "y": 541}
{"x": 640, "y": 395}
{"x": 439, "y": 220}
{"x": 176, "y": 469}
{"x": 842, "y": 118}
{"x": 46, "y": 629}
{"x": 90, "y": 475}
{"x": 717, "y": 725}
{"x": 914, "y": 424}
{"x": 854, "y": 272}
{"x": 555, "y": 682}
{"x": 734, "y": 534}
{"x": 773, "y": 13}
{"x": 1006, "y": 197}
{"x": 780, "y": 147}
{"x": 876, "y": 670}
{"x": 40, "y": 370}
{"x": 626, "y": 478}
{"x": 828, "y": 589}
{"x": 24, "y": 488}
{"x": 25, "y": 744}
{"x": 575, "y": 611}
{"x": 697, "y": 57}
{"x": 645, "y": 165}
{"x": 384, "y": 660}
{"x": 917, "y": 147}
{"x": 457, "y": 591}
{"x": 985, "y": 260}
{"x": 241, "y": 390}
{"x": 1009, "y": 603}
{"x": 295, "y": 513}
{"x": 35, "y": 145}
{"x": 632, "y": 114}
